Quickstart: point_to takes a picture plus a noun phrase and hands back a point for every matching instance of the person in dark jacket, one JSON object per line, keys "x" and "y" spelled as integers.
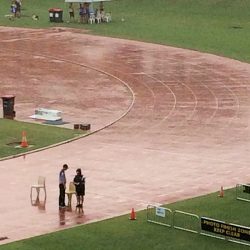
{"x": 79, "y": 182}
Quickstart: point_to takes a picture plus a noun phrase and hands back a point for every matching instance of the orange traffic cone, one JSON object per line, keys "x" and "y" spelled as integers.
{"x": 132, "y": 214}
{"x": 221, "y": 194}
{"x": 24, "y": 143}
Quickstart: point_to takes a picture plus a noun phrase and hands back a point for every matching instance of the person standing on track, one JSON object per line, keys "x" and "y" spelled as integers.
{"x": 62, "y": 186}
{"x": 79, "y": 182}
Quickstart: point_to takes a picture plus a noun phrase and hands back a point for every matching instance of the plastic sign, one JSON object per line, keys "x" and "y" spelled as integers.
{"x": 160, "y": 211}
{"x": 225, "y": 229}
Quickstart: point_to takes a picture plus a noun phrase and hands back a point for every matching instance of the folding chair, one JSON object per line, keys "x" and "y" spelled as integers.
{"x": 70, "y": 191}
{"x": 91, "y": 18}
{"x": 98, "y": 17}
{"x": 107, "y": 17}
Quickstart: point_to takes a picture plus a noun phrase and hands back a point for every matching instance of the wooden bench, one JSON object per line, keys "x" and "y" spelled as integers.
{"x": 47, "y": 114}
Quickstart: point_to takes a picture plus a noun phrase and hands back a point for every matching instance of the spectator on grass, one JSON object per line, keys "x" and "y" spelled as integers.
{"x": 81, "y": 13}
{"x": 13, "y": 8}
{"x": 101, "y": 6}
{"x": 62, "y": 186}
{"x": 102, "y": 12}
{"x": 87, "y": 12}
{"x": 91, "y": 9}
{"x": 71, "y": 12}
{"x": 18, "y": 8}
{"x": 79, "y": 182}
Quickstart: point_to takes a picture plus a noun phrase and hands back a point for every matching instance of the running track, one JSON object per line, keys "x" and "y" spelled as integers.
{"x": 168, "y": 124}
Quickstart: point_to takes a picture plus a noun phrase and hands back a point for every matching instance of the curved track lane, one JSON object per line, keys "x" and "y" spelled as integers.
{"x": 183, "y": 132}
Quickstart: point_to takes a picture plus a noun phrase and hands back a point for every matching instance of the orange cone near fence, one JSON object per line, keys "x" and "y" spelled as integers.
{"x": 221, "y": 194}
{"x": 24, "y": 143}
{"x": 132, "y": 214}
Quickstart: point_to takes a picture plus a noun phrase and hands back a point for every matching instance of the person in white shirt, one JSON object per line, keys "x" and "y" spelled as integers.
{"x": 62, "y": 186}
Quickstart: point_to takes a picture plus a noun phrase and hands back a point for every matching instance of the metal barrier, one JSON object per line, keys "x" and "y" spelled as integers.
{"x": 186, "y": 221}
{"x": 159, "y": 215}
{"x": 225, "y": 231}
{"x": 199, "y": 225}
{"x": 243, "y": 192}
{"x": 211, "y": 233}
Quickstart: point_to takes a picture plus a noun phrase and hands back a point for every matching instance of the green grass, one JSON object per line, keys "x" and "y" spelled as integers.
{"x": 37, "y": 135}
{"x": 121, "y": 233}
{"x": 216, "y": 26}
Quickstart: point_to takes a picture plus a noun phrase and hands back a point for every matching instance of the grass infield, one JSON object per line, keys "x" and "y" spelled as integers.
{"x": 38, "y": 136}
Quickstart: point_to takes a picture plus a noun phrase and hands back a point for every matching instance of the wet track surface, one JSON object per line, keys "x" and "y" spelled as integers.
{"x": 173, "y": 124}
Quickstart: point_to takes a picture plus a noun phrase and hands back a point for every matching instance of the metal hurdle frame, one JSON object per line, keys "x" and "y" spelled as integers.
{"x": 167, "y": 217}
{"x": 164, "y": 219}
{"x": 194, "y": 216}
{"x": 239, "y": 189}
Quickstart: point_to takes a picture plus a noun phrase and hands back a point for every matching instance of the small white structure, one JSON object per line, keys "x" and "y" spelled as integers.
{"x": 47, "y": 114}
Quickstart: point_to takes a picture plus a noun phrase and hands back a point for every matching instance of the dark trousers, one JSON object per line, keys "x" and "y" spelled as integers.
{"x": 61, "y": 195}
